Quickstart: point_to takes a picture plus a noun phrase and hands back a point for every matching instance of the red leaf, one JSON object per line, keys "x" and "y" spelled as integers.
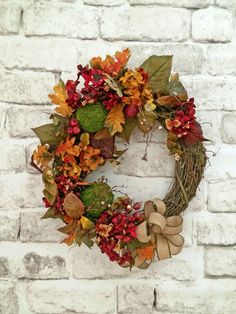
{"x": 195, "y": 135}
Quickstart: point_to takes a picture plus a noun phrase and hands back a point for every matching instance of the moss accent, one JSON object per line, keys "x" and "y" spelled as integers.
{"x": 96, "y": 197}
{"x": 91, "y": 117}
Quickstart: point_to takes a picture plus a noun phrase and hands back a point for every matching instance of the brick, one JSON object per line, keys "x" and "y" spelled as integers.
{"x": 228, "y": 132}
{"x": 20, "y": 190}
{"x": 94, "y": 297}
{"x": 181, "y": 3}
{"x": 204, "y": 296}
{"x": 22, "y": 119}
{"x": 187, "y": 58}
{"x": 226, "y": 3}
{"x": 4, "y": 267}
{"x": 221, "y": 196}
{"x": 128, "y": 302}
{"x": 211, "y": 93}
{"x": 12, "y": 156}
{"x": 212, "y": 24}
{"x": 10, "y": 15}
{"x": 210, "y": 122}
{"x": 35, "y": 229}
{"x": 10, "y": 225}
{"x": 136, "y": 23}
{"x": 216, "y": 229}
{"x": 29, "y": 87}
{"x": 221, "y": 59}
{"x": 68, "y": 20}
{"x": 8, "y": 298}
{"x": 220, "y": 261}
{"x": 37, "y": 261}
{"x": 108, "y": 3}
{"x": 216, "y": 169}
{"x": 3, "y": 130}
{"x": 159, "y": 163}
{"x": 54, "y": 54}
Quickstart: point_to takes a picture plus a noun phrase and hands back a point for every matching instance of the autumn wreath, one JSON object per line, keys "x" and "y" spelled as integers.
{"x": 107, "y": 100}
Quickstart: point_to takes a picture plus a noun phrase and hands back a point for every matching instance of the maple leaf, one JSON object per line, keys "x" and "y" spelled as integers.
{"x": 41, "y": 156}
{"x": 115, "y": 119}
{"x": 59, "y": 98}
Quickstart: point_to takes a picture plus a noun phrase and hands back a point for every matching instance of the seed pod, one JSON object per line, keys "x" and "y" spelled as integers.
{"x": 73, "y": 206}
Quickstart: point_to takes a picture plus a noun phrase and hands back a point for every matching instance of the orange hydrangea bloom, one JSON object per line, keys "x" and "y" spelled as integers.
{"x": 90, "y": 158}
{"x": 136, "y": 89}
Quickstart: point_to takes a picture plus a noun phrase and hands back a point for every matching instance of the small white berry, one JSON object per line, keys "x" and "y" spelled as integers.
{"x": 160, "y": 127}
{"x": 129, "y": 207}
{"x": 102, "y": 203}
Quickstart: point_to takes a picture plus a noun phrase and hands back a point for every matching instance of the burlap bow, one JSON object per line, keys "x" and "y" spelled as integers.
{"x": 161, "y": 231}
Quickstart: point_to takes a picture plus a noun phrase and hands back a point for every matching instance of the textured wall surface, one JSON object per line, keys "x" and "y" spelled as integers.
{"x": 41, "y": 41}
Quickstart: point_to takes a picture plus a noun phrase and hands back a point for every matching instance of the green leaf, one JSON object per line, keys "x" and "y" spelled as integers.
{"x": 50, "y": 213}
{"x": 130, "y": 124}
{"x": 48, "y": 134}
{"x": 88, "y": 242}
{"x": 176, "y": 88}
{"x": 69, "y": 228}
{"x": 158, "y": 69}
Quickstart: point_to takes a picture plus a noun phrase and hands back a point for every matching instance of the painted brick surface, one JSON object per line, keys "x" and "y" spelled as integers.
{"x": 42, "y": 41}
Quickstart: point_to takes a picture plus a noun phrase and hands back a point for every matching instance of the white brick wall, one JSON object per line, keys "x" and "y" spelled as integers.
{"x": 42, "y": 40}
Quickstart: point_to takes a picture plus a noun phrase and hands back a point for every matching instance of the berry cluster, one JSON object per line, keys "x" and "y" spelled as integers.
{"x": 116, "y": 229}
{"x": 73, "y": 128}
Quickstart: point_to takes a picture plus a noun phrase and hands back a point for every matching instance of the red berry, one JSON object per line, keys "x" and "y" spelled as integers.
{"x": 126, "y": 201}
{"x": 131, "y": 111}
{"x": 76, "y": 130}
{"x": 73, "y": 122}
{"x": 137, "y": 206}
{"x": 70, "y": 130}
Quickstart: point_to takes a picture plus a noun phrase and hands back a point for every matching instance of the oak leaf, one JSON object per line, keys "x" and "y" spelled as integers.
{"x": 41, "y": 156}
{"x": 115, "y": 119}
{"x": 59, "y": 99}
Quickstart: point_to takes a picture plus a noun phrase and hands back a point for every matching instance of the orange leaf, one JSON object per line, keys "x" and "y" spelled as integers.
{"x": 64, "y": 146}
{"x": 41, "y": 156}
{"x": 59, "y": 98}
{"x": 115, "y": 119}
{"x": 146, "y": 252}
{"x": 111, "y": 65}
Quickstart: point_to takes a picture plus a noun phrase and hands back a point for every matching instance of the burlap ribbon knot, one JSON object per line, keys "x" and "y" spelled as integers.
{"x": 161, "y": 231}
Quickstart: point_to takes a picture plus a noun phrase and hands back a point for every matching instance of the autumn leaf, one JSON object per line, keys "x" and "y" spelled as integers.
{"x": 86, "y": 223}
{"x": 64, "y": 146}
{"x": 130, "y": 124}
{"x": 101, "y": 134}
{"x": 111, "y": 65}
{"x": 50, "y": 191}
{"x": 41, "y": 156}
{"x": 59, "y": 99}
{"x": 115, "y": 119}
{"x": 167, "y": 101}
{"x": 173, "y": 144}
{"x": 194, "y": 135}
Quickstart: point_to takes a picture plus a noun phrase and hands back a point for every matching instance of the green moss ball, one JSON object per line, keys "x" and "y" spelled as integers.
{"x": 96, "y": 197}
{"x": 91, "y": 117}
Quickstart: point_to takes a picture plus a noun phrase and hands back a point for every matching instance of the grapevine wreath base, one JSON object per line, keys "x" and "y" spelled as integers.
{"x": 105, "y": 101}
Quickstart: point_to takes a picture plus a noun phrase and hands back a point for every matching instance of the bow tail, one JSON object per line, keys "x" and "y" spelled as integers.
{"x": 175, "y": 243}
{"x": 162, "y": 247}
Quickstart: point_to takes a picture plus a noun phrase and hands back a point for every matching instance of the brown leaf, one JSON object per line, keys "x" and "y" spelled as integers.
{"x": 101, "y": 134}
{"x": 73, "y": 206}
{"x": 195, "y": 135}
{"x": 106, "y": 146}
{"x": 167, "y": 101}
{"x": 115, "y": 119}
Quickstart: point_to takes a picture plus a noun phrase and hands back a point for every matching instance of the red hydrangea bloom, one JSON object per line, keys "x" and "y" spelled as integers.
{"x": 183, "y": 123}
{"x": 114, "y": 230}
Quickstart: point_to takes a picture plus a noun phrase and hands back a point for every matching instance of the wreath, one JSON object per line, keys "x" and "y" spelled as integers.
{"x": 105, "y": 101}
